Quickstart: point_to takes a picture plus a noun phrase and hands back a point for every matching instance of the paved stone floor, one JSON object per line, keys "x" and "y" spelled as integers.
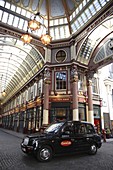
{"x": 12, "y": 158}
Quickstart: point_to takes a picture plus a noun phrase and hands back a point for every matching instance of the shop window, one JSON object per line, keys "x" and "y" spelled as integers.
{"x": 82, "y": 112}
{"x": 96, "y": 112}
{"x": 61, "y": 79}
{"x": 59, "y": 114}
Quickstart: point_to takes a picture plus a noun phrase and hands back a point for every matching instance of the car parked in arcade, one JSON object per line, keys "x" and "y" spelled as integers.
{"x": 62, "y": 138}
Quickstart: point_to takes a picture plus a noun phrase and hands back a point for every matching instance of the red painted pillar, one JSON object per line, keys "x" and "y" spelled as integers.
{"x": 74, "y": 81}
{"x": 47, "y": 82}
{"x": 90, "y": 100}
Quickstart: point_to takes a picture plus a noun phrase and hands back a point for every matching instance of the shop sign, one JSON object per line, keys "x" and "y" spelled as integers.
{"x": 81, "y": 99}
{"x": 60, "y": 99}
{"x": 31, "y": 104}
{"x": 17, "y": 110}
{"x": 66, "y": 143}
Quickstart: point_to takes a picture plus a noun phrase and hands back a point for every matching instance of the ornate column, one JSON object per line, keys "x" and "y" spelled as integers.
{"x": 47, "y": 82}
{"x": 74, "y": 81}
{"x": 90, "y": 99}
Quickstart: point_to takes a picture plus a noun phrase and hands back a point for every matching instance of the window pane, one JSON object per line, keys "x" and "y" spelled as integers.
{"x": 5, "y": 16}
{"x": 23, "y": 12}
{"x": 15, "y": 23}
{"x": 97, "y": 5}
{"x": 92, "y": 9}
{"x": 60, "y": 80}
{"x": 7, "y": 5}
{"x": 51, "y": 22}
{"x": 13, "y": 8}
{"x": 1, "y": 12}
{"x": 10, "y": 19}
{"x": 21, "y": 23}
{"x": 61, "y": 32}
{"x": 18, "y": 10}
{"x": 2, "y": 3}
{"x": 88, "y": 13}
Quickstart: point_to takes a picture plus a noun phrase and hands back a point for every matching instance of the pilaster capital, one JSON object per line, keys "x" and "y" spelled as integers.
{"x": 74, "y": 74}
{"x": 89, "y": 82}
{"x": 47, "y": 81}
{"x": 47, "y": 75}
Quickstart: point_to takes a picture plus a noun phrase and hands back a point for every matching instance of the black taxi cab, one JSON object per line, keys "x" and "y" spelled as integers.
{"x": 62, "y": 138}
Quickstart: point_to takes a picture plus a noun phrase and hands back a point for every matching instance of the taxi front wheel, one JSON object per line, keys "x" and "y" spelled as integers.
{"x": 93, "y": 149}
{"x": 44, "y": 154}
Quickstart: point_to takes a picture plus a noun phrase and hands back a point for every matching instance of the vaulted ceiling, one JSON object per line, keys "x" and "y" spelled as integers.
{"x": 63, "y": 19}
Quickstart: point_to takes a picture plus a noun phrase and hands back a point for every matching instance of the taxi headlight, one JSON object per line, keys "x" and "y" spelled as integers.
{"x": 26, "y": 141}
{"x": 35, "y": 143}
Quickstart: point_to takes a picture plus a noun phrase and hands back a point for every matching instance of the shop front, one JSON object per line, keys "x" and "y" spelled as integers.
{"x": 60, "y": 111}
{"x": 97, "y": 118}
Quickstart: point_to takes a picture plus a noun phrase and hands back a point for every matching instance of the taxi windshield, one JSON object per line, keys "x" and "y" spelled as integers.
{"x": 54, "y": 128}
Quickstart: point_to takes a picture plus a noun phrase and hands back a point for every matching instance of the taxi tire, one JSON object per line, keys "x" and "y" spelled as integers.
{"x": 93, "y": 149}
{"x": 45, "y": 154}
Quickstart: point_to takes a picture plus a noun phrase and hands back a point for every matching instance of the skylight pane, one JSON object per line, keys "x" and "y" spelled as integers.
{"x": 15, "y": 23}
{"x": 77, "y": 11}
{"x": 97, "y": 5}
{"x": 7, "y": 5}
{"x": 51, "y": 22}
{"x": 52, "y": 33}
{"x": 56, "y": 22}
{"x": 10, "y": 19}
{"x": 2, "y": 3}
{"x": 62, "y": 32}
{"x": 25, "y": 25}
{"x": 23, "y": 12}
{"x": 92, "y": 9}
{"x": 74, "y": 14}
{"x": 65, "y": 20}
{"x": 18, "y": 10}
{"x": 84, "y": 3}
{"x": 1, "y": 12}
{"x": 88, "y": 13}
{"x": 102, "y": 2}
{"x": 28, "y": 14}
{"x": 77, "y": 24}
{"x": 67, "y": 33}
{"x": 21, "y": 23}
{"x": 61, "y": 21}
{"x": 5, "y": 16}
{"x": 80, "y": 21}
{"x": 71, "y": 17}
{"x": 13, "y": 8}
{"x": 57, "y": 33}
{"x": 73, "y": 28}
{"x": 80, "y": 7}
{"x": 84, "y": 17}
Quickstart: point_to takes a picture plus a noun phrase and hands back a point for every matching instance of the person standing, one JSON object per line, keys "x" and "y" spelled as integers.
{"x": 104, "y": 135}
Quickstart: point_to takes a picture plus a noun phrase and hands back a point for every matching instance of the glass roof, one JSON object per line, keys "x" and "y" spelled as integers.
{"x": 63, "y": 18}
{"x": 93, "y": 39}
{"x": 18, "y": 63}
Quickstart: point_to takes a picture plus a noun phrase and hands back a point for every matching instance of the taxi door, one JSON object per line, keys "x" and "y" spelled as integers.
{"x": 81, "y": 138}
{"x": 64, "y": 142}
